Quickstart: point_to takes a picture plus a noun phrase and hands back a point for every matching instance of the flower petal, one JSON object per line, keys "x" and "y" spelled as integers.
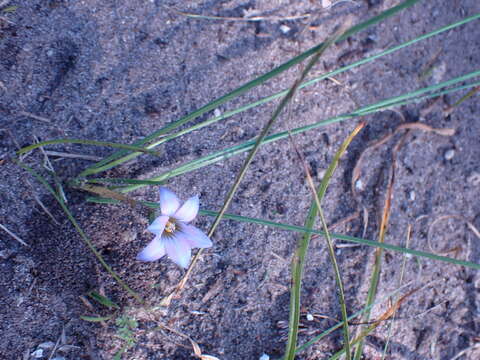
{"x": 193, "y": 236}
{"x": 189, "y": 210}
{"x": 169, "y": 202}
{"x": 178, "y": 250}
{"x": 154, "y": 251}
{"x": 158, "y": 225}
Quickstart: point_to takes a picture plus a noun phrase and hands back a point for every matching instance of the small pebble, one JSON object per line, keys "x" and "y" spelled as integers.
{"x": 309, "y": 317}
{"x": 359, "y": 185}
{"x": 285, "y": 29}
{"x": 47, "y": 345}
{"x": 412, "y": 196}
{"x": 326, "y": 3}
{"x": 37, "y": 354}
{"x": 449, "y": 154}
{"x": 50, "y": 52}
{"x": 321, "y": 173}
{"x": 217, "y": 112}
{"x": 264, "y": 357}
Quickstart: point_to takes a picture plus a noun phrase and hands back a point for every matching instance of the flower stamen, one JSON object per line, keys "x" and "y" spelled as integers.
{"x": 170, "y": 226}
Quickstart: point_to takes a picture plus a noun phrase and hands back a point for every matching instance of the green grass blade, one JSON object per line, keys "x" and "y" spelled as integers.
{"x": 79, "y": 229}
{"x": 95, "y": 318}
{"x": 300, "y": 255}
{"x": 250, "y": 85}
{"x": 379, "y": 106}
{"x": 301, "y": 229}
{"x": 103, "y": 300}
{"x": 86, "y": 142}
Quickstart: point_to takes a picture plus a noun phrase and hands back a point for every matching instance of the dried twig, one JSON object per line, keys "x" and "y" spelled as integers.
{"x": 13, "y": 235}
{"x": 246, "y": 18}
{"x": 72, "y": 156}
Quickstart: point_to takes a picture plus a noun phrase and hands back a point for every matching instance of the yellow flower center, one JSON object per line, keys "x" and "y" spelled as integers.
{"x": 170, "y": 227}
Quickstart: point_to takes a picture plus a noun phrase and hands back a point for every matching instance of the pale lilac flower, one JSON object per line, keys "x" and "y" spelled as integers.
{"x": 173, "y": 236}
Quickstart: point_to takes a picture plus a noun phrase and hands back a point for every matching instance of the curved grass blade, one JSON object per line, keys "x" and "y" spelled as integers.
{"x": 117, "y": 156}
{"x": 379, "y": 106}
{"x": 86, "y": 142}
{"x": 103, "y": 300}
{"x": 95, "y": 318}
{"x": 79, "y": 229}
{"x": 300, "y": 255}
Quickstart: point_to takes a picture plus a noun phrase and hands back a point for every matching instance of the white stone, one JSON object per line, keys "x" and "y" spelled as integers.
{"x": 37, "y": 354}
{"x": 264, "y": 357}
{"x": 285, "y": 29}
{"x": 310, "y": 317}
{"x": 359, "y": 184}
{"x": 326, "y": 3}
{"x": 449, "y": 154}
{"x": 47, "y": 345}
{"x": 412, "y": 195}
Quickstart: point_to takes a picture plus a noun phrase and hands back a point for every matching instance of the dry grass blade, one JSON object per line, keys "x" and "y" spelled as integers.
{"x": 465, "y": 351}
{"x": 72, "y": 156}
{"x": 400, "y": 281}
{"x": 230, "y": 18}
{"x": 467, "y": 96}
{"x": 381, "y": 237}
{"x": 443, "y": 218}
{"x": 406, "y": 126}
{"x": 104, "y": 192}
{"x": 388, "y": 198}
{"x": 390, "y": 313}
{"x": 35, "y": 117}
{"x": 45, "y": 209}
{"x": 13, "y": 235}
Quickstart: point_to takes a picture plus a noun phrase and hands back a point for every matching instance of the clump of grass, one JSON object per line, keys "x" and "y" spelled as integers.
{"x": 114, "y": 190}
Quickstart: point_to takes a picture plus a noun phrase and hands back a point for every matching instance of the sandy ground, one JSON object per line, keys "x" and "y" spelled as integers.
{"x": 116, "y": 71}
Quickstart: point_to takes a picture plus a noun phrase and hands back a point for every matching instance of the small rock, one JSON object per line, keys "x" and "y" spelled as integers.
{"x": 217, "y": 112}
{"x": 449, "y": 154}
{"x": 412, "y": 195}
{"x": 359, "y": 184}
{"x": 50, "y": 52}
{"x": 264, "y": 357}
{"x": 310, "y": 317}
{"x": 438, "y": 72}
{"x": 285, "y": 29}
{"x": 326, "y": 3}
{"x": 321, "y": 174}
{"x": 47, "y": 345}
{"x": 37, "y": 354}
